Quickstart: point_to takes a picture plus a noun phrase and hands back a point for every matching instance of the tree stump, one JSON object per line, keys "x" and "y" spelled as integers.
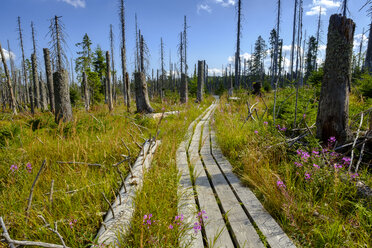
{"x": 142, "y": 97}
{"x": 257, "y": 88}
{"x": 183, "y": 89}
{"x": 201, "y": 79}
{"x": 63, "y": 111}
{"x": 333, "y": 109}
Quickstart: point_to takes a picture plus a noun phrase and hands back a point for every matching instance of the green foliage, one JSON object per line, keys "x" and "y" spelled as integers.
{"x": 8, "y": 133}
{"x": 316, "y": 77}
{"x": 94, "y": 83}
{"x": 99, "y": 63}
{"x": 365, "y": 85}
{"x": 311, "y": 56}
{"x": 84, "y": 61}
{"x": 193, "y": 86}
{"x": 74, "y": 94}
{"x": 267, "y": 86}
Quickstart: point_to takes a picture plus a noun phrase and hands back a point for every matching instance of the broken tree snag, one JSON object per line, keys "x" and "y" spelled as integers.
{"x": 108, "y": 82}
{"x": 35, "y": 79}
{"x": 43, "y": 97}
{"x": 201, "y": 75}
{"x": 86, "y": 91}
{"x": 142, "y": 97}
{"x": 333, "y": 109}
{"x": 62, "y": 96}
{"x": 9, "y": 83}
{"x": 49, "y": 77}
{"x": 183, "y": 89}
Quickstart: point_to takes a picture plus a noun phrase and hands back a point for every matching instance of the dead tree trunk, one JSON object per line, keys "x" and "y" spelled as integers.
{"x": 293, "y": 39}
{"x": 201, "y": 78}
{"x": 35, "y": 79}
{"x": 108, "y": 82}
{"x": 142, "y": 97}
{"x": 333, "y": 110}
{"x": 49, "y": 77}
{"x": 28, "y": 94}
{"x": 368, "y": 62}
{"x": 9, "y": 83}
{"x": 62, "y": 96}
{"x": 237, "y": 53}
{"x": 126, "y": 89}
{"x": 43, "y": 98}
{"x": 86, "y": 92}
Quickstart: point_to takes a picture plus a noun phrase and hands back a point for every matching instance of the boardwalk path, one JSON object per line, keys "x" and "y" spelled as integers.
{"x": 234, "y": 213}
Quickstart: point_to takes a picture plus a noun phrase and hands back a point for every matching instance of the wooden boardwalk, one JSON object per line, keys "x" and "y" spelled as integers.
{"x": 208, "y": 183}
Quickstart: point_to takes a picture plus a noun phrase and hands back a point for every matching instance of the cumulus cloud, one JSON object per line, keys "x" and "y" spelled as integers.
{"x": 225, "y": 3}
{"x": 7, "y": 55}
{"x": 214, "y": 71}
{"x": 75, "y": 3}
{"x": 358, "y": 38}
{"x": 323, "y": 4}
{"x": 204, "y": 7}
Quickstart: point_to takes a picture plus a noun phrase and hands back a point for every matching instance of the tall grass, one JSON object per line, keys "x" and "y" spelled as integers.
{"x": 314, "y": 202}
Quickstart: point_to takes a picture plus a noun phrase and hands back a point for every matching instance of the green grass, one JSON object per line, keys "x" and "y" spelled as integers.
{"x": 94, "y": 137}
{"x": 324, "y": 211}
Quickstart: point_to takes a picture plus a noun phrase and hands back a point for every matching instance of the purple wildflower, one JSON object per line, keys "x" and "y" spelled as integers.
{"x": 256, "y": 132}
{"x": 346, "y": 160}
{"x": 354, "y": 175}
{"x": 170, "y": 226}
{"x": 265, "y": 123}
{"x": 307, "y": 176}
{"x": 298, "y": 164}
{"x": 29, "y": 167}
{"x": 315, "y": 152}
{"x": 316, "y": 166}
{"x": 14, "y": 167}
{"x": 280, "y": 184}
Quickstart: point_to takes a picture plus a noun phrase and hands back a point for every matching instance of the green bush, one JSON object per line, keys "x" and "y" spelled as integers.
{"x": 74, "y": 95}
{"x": 7, "y": 134}
{"x": 365, "y": 85}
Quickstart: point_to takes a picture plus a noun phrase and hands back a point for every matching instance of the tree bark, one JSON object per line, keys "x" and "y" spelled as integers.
{"x": 368, "y": 62}
{"x": 183, "y": 89}
{"x": 49, "y": 76}
{"x": 333, "y": 109}
{"x": 108, "y": 82}
{"x": 43, "y": 98}
{"x": 201, "y": 79}
{"x": 9, "y": 82}
{"x": 35, "y": 79}
{"x": 63, "y": 111}
{"x": 86, "y": 91}
{"x": 142, "y": 97}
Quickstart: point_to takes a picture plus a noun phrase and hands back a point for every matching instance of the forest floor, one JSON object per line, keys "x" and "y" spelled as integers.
{"x": 308, "y": 190}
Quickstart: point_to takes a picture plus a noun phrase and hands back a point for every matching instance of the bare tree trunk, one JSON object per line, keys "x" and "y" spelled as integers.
{"x": 113, "y": 62}
{"x": 161, "y": 91}
{"x": 201, "y": 75}
{"x": 142, "y": 97}
{"x": 237, "y": 53}
{"x": 293, "y": 39}
{"x": 28, "y": 95}
{"x": 43, "y": 98}
{"x": 333, "y": 109}
{"x": 49, "y": 76}
{"x": 368, "y": 62}
{"x": 35, "y": 79}
{"x": 315, "y": 65}
{"x": 108, "y": 82}
{"x": 9, "y": 83}
{"x": 126, "y": 89}
{"x": 86, "y": 91}
{"x": 62, "y": 96}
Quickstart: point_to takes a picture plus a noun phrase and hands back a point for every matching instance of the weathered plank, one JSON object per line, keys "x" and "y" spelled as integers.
{"x": 244, "y": 232}
{"x": 123, "y": 210}
{"x": 215, "y": 228}
{"x": 274, "y": 234}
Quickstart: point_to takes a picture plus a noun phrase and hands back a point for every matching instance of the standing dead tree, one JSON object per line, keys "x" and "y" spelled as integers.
{"x": 183, "y": 84}
{"x": 113, "y": 64}
{"x": 293, "y": 39}
{"x": 201, "y": 80}
{"x": 333, "y": 110}
{"x": 237, "y": 53}
{"x": 315, "y": 65}
{"x": 49, "y": 76}
{"x": 108, "y": 82}
{"x": 9, "y": 82}
{"x": 142, "y": 97}
{"x": 63, "y": 110}
{"x": 86, "y": 91}
{"x": 275, "y": 62}
{"x": 126, "y": 85}
{"x": 161, "y": 88}
{"x": 35, "y": 76}
{"x": 28, "y": 97}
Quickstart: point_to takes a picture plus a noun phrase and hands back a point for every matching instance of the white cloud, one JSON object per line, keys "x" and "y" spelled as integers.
{"x": 7, "y": 54}
{"x": 357, "y": 39}
{"x": 324, "y": 4}
{"x": 75, "y": 3}
{"x": 327, "y": 3}
{"x": 225, "y": 3}
{"x": 214, "y": 71}
{"x": 322, "y": 47}
{"x": 315, "y": 11}
{"x": 203, "y": 6}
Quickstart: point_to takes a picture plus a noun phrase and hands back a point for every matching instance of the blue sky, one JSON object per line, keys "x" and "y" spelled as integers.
{"x": 212, "y": 25}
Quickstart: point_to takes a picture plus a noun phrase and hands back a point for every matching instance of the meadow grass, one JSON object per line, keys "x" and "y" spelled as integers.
{"x": 97, "y": 137}
{"x": 314, "y": 202}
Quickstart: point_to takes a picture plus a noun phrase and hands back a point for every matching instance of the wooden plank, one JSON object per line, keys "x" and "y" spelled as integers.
{"x": 186, "y": 203}
{"x": 244, "y": 231}
{"x": 274, "y": 234}
{"x": 216, "y": 231}
{"x": 123, "y": 210}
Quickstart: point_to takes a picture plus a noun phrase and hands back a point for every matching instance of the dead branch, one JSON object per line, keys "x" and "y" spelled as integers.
{"x": 356, "y": 138}
{"x": 360, "y": 157}
{"x": 32, "y": 189}
{"x": 55, "y": 230}
{"x": 13, "y": 242}
{"x": 61, "y": 162}
{"x": 112, "y": 210}
{"x": 51, "y": 193}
